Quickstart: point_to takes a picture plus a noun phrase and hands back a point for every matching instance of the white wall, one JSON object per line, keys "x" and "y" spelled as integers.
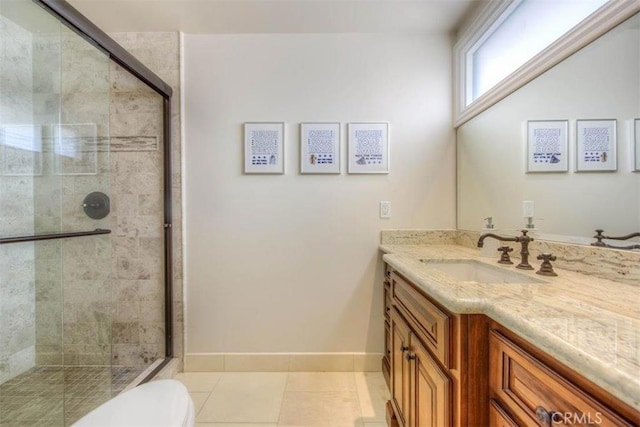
{"x": 599, "y": 82}
{"x": 289, "y": 263}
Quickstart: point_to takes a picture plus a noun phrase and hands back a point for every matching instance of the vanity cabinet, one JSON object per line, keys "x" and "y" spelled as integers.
{"x": 430, "y": 363}
{"x": 458, "y": 370}
{"x": 526, "y": 391}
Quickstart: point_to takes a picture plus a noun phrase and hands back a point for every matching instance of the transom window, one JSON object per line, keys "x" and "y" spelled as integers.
{"x": 524, "y": 30}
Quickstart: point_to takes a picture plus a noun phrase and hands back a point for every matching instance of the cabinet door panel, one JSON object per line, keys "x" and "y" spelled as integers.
{"x": 399, "y": 367}
{"x": 430, "y": 389}
{"x": 538, "y": 395}
{"x": 498, "y": 416}
{"x": 433, "y": 325}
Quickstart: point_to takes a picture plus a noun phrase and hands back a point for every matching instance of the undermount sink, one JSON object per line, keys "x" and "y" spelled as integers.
{"x": 467, "y": 270}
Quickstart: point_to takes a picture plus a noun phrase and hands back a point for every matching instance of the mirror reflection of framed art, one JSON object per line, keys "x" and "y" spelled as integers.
{"x": 596, "y": 146}
{"x": 547, "y": 146}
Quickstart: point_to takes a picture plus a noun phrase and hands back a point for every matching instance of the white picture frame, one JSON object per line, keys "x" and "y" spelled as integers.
{"x": 636, "y": 145}
{"x": 264, "y": 148}
{"x": 547, "y": 146}
{"x": 319, "y": 148}
{"x": 596, "y": 145}
{"x": 368, "y": 147}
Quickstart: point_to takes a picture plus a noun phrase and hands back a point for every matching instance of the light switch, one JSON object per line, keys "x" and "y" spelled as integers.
{"x": 385, "y": 209}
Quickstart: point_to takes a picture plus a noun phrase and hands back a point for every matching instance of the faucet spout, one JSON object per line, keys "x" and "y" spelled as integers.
{"x": 495, "y": 236}
{"x": 524, "y": 241}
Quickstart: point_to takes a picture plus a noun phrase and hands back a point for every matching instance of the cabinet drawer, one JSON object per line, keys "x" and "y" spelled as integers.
{"x": 432, "y": 325}
{"x": 538, "y": 395}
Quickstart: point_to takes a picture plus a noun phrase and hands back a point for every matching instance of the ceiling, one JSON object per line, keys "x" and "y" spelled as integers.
{"x": 277, "y": 16}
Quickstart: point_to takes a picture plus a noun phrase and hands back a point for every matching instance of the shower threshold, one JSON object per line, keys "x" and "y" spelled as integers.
{"x": 60, "y": 396}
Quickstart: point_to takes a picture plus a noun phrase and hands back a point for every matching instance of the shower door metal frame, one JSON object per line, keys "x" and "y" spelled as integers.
{"x": 73, "y": 19}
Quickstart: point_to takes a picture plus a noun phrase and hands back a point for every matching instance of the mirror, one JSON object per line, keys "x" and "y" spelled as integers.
{"x": 601, "y": 81}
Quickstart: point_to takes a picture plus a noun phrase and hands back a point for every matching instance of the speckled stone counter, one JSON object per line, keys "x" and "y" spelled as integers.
{"x": 592, "y": 325}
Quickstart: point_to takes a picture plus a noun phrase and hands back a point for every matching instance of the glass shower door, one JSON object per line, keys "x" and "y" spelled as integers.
{"x": 55, "y": 295}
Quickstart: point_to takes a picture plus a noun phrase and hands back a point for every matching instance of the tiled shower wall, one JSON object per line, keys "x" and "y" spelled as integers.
{"x": 136, "y": 185}
{"x": 17, "y": 316}
{"x": 138, "y": 332}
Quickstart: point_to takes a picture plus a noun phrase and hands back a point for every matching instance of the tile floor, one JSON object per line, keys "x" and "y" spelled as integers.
{"x": 59, "y": 396}
{"x": 301, "y": 399}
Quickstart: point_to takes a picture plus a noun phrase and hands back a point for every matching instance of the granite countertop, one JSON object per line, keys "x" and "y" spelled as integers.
{"x": 589, "y": 324}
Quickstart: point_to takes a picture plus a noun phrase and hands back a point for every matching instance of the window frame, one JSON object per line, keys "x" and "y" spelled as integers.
{"x": 492, "y": 15}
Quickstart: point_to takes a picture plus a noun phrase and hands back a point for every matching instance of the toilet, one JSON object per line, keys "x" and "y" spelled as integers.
{"x": 161, "y": 403}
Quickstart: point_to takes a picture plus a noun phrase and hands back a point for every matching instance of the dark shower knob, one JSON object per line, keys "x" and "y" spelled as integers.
{"x": 96, "y": 205}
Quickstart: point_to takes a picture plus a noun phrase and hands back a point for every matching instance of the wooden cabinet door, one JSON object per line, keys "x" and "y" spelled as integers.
{"x": 431, "y": 389}
{"x": 400, "y": 367}
{"x": 498, "y": 417}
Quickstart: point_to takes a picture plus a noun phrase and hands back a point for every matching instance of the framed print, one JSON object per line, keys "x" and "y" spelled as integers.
{"x": 264, "y": 147}
{"x": 21, "y": 150}
{"x": 320, "y": 148}
{"x": 547, "y": 146}
{"x": 75, "y": 149}
{"x": 368, "y": 147}
{"x": 596, "y": 145}
{"x": 636, "y": 145}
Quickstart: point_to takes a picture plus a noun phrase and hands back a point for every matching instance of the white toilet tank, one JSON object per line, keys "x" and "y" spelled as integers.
{"x": 154, "y": 404}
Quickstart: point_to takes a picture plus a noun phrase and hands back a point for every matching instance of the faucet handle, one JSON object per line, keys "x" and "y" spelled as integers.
{"x": 546, "y": 269}
{"x": 524, "y": 237}
{"x": 599, "y": 236}
{"x": 504, "y": 258}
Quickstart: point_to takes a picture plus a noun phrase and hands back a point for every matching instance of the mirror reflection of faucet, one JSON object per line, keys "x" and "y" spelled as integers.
{"x": 600, "y": 236}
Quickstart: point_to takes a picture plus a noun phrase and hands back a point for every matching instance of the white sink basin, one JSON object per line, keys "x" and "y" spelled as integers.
{"x": 467, "y": 270}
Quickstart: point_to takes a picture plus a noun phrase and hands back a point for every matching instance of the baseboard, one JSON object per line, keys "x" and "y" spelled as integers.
{"x": 282, "y": 362}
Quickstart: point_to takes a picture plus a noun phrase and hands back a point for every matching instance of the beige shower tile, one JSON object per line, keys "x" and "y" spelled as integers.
{"x": 245, "y": 397}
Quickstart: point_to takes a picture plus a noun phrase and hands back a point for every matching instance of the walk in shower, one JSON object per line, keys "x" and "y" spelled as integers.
{"x": 85, "y": 221}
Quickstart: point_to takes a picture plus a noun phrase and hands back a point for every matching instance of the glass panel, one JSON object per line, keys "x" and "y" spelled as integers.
{"x": 30, "y": 273}
{"x": 138, "y": 243}
{"x": 80, "y": 318}
{"x": 525, "y": 32}
{"x": 55, "y": 296}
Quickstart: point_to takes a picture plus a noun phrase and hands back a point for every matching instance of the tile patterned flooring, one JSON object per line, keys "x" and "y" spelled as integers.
{"x": 300, "y": 399}
{"x": 59, "y": 396}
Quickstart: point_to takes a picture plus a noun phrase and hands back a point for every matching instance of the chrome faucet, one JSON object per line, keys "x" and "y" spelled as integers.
{"x": 524, "y": 241}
